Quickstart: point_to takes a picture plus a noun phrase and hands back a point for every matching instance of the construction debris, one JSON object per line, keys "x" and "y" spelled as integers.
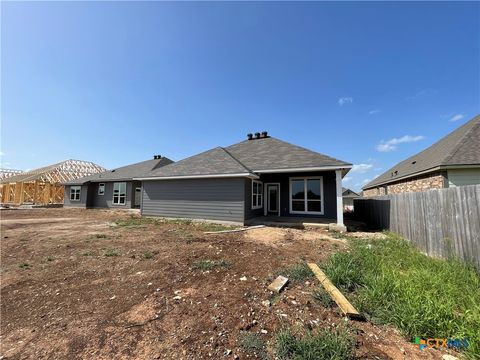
{"x": 342, "y": 302}
{"x": 278, "y": 284}
{"x": 234, "y": 230}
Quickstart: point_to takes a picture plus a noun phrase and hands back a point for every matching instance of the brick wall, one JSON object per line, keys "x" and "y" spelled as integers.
{"x": 419, "y": 183}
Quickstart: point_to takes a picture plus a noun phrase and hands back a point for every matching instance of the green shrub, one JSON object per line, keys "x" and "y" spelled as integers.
{"x": 147, "y": 254}
{"x": 111, "y": 252}
{"x": 24, "y": 266}
{"x": 394, "y": 283}
{"x": 323, "y": 344}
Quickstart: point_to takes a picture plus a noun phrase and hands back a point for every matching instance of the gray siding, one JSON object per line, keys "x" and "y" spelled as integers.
{"x": 329, "y": 194}
{"x": 83, "y": 197}
{"x": 106, "y": 200}
{"x": 213, "y": 199}
{"x": 460, "y": 177}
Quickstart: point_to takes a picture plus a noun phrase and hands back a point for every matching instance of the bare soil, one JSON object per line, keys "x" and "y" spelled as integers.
{"x": 62, "y": 297}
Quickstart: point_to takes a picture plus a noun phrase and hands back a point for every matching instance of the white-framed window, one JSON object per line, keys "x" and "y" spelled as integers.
{"x": 119, "y": 193}
{"x": 101, "y": 189}
{"x": 257, "y": 194}
{"x": 306, "y": 195}
{"x": 75, "y": 193}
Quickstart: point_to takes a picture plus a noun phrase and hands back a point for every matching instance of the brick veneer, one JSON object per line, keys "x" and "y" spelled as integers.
{"x": 419, "y": 183}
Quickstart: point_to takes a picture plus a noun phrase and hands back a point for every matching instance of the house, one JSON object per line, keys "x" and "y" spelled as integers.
{"x": 42, "y": 186}
{"x": 112, "y": 188}
{"x": 348, "y": 196}
{"x": 452, "y": 161}
{"x": 261, "y": 176}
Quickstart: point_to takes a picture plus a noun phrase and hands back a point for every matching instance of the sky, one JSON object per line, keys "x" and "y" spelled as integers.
{"x": 370, "y": 83}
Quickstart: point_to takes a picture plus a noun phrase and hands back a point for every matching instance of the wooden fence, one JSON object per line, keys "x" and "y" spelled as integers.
{"x": 439, "y": 222}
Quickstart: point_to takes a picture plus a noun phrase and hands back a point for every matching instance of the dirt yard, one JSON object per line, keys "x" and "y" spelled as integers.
{"x": 75, "y": 284}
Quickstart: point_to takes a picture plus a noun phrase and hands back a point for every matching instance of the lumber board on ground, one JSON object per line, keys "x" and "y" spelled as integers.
{"x": 342, "y": 302}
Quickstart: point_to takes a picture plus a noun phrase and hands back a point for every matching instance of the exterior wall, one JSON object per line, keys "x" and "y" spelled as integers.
{"x": 329, "y": 194}
{"x": 459, "y": 177}
{"x": 431, "y": 181}
{"x": 212, "y": 199}
{"x": 106, "y": 200}
{"x": 83, "y": 197}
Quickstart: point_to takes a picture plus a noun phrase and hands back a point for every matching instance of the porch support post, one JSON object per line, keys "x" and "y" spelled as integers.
{"x": 338, "y": 174}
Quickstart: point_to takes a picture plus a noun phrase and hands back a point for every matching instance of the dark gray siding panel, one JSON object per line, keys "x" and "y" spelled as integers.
{"x": 329, "y": 194}
{"x": 83, "y": 197}
{"x": 213, "y": 199}
{"x": 106, "y": 200}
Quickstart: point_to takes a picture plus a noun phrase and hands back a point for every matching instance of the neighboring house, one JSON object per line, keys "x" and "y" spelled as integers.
{"x": 452, "y": 161}
{"x": 112, "y": 188}
{"x": 256, "y": 177}
{"x": 348, "y": 196}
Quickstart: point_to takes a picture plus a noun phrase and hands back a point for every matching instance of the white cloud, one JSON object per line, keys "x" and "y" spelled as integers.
{"x": 422, "y": 93}
{"x": 456, "y": 117}
{"x": 391, "y": 145}
{"x": 2, "y": 153}
{"x": 361, "y": 168}
{"x": 345, "y": 100}
{"x": 374, "y": 111}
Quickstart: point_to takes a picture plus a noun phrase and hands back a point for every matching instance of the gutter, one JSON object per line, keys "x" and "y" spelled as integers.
{"x": 211, "y": 176}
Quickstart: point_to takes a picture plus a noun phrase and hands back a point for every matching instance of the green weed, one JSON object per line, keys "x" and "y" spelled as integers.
{"x": 252, "y": 343}
{"x": 111, "y": 252}
{"x": 297, "y": 273}
{"x": 205, "y": 265}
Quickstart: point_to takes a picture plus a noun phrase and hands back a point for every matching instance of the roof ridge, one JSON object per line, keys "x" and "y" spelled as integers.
{"x": 234, "y": 158}
{"x": 456, "y": 148}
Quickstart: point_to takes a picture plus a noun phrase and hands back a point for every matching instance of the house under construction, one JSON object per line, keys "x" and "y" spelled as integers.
{"x": 43, "y": 186}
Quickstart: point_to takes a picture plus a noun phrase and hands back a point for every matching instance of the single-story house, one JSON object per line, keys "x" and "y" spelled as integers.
{"x": 348, "y": 196}
{"x": 261, "y": 176}
{"x": 112, "y": 188}
{"x": 452, "y": 161}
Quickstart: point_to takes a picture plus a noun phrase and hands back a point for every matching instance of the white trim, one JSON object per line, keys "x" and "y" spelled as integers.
{"x": 99, "y": 186}
{"x": 266, "y": 210}
{"x": 259, "y": 185}
{"x": 307, "y": 169}
{"x": 338, "y": 180}
{"x": 248, "y": 175}
{"x": 113, "y": 194}
{"x": 322, "y": 199}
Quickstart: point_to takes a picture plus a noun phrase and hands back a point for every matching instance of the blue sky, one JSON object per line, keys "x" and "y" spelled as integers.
{"x": 368, "y": 82}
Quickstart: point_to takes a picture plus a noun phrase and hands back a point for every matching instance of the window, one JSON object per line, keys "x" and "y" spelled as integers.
{"x": 306, "y": 195}
{"x": 257, "y": 194}
{"x": 101, "y": 189}
{"x": 119, "y": 193}
{"x": 75, "y": 193}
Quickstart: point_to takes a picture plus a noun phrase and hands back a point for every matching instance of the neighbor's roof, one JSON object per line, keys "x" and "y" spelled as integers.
{"x": 57, "y": 173}
{"x": 125, "y": 172}
{"x": 247, "y": 158}
{"x": 459, "y": 148}
{"x": 347, "y": 193}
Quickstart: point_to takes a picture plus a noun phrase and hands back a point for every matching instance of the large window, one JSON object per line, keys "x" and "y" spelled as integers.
{"x": 75, "y": 193}
{"x": 306, "y": 195}
{"x": 119, "y": 193}
{"x": 101, "y": 189}
{"x": 257, "y": 194}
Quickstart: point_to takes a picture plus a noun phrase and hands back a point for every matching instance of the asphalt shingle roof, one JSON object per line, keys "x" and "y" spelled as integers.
{"x": 125, "y": 172}
{"x": 247, "y": 157}
{"x": 460, "y": 147}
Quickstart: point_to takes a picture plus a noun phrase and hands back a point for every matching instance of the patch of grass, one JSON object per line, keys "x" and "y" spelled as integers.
{"x": 204, "y": 226}
{"x": 89, "y": 253}
{"x": 147, "y": 255}
{"x": 24, "y": 266}
{"x": 336, "y": 344}
{"x": 50, "y": 258}
{"x": 297, "y": 273}
{"x": 111, "y": 252}
{"x": 101, "y": 236}
{"x": 394, "y": 283}
{"x": 210, "y": 264}
{"x": 252, "y": 343}
{"x": 136, "y": 221}
{"x": 321, "y": 296}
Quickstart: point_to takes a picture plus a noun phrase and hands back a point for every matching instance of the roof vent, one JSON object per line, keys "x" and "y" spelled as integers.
{"x": 414, "y": 162}
{"x": 257, "y": 135}
{"x": 264, "y": 134}
{"x": 250, "y": 136}
{"x": 157, "y": 157}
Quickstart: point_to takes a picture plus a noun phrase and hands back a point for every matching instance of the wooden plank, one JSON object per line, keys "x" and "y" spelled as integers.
{"x": 342, "y": 302}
